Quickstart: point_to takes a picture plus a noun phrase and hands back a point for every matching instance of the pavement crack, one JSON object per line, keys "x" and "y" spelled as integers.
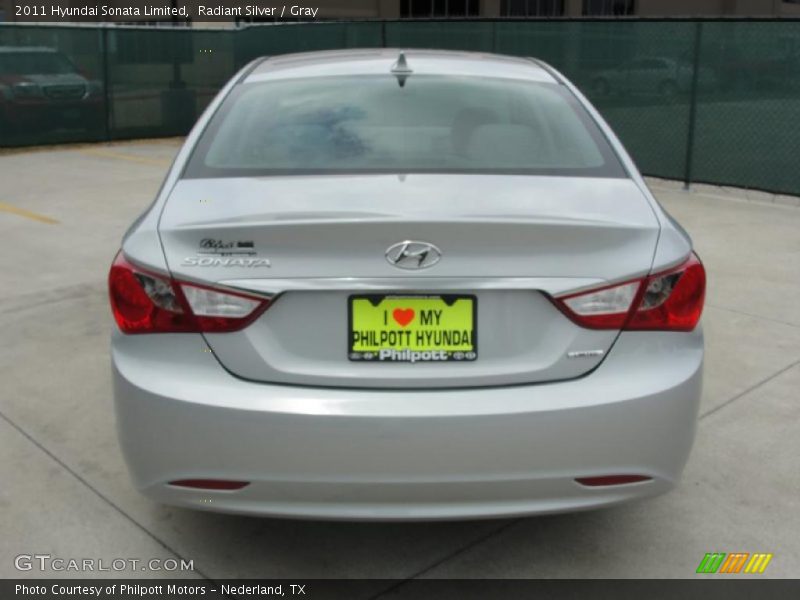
{"x": 468, "y": 546}
{"x": 100, "y": 495}
{"x": 753, "y": 387}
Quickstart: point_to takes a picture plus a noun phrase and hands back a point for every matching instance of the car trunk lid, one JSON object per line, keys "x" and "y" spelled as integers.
{"x": 313, "y": 242}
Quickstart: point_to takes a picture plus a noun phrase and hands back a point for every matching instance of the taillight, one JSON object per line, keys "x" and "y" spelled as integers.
{"x": 604, "y": 308}
{"x": 669, "y": 301}
{"x": 672, "y": 300}
{"x": 146, "y": 302}
{"x": 220, "y": 311}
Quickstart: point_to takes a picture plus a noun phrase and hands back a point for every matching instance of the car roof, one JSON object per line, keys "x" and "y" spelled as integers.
{"x": 373, "y": 61}
{"x": 26, "y": 49}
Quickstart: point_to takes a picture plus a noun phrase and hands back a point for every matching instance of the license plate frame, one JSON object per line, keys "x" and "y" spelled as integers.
{"x": 457, "y": 350}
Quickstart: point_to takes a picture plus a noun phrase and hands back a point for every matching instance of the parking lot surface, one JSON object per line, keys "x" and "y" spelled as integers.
{"x": 64, "y": 488}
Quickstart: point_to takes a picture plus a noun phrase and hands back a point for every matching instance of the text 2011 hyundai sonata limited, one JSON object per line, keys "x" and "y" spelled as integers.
{"x": 405, "y": 285}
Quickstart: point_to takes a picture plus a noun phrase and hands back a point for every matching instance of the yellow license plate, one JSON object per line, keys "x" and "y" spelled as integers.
{"x": 412, "y": 328}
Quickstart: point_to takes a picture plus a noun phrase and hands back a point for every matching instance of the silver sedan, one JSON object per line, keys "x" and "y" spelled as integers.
{"x": 379, "y": 284}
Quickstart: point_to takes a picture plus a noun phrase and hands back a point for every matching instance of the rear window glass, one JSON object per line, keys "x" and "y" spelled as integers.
{"x": 372, "y": 124}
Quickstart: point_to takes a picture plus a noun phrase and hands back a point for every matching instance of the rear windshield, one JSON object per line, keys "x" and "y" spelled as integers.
{"x": 367, "y": 124}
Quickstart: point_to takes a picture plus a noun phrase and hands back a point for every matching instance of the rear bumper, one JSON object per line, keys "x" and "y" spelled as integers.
{"x": 372, "y": 454}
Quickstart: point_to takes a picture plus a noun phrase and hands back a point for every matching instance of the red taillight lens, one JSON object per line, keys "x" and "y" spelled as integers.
{"x": 672, "y": 300}
{"x": 606, "y": 480}
{"x": 668, "y": 301}
{"x": 145, "y": 302}
{"x": 210, "y": 484}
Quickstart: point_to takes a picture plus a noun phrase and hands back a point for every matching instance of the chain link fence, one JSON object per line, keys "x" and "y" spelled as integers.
{"x": 704, "y": 101}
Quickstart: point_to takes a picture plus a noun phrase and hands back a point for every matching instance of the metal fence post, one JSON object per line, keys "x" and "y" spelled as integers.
{"x": 690, "y": 136}
{"x": 106, "y": 83}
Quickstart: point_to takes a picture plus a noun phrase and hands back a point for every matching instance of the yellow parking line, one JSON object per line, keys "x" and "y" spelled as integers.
{"x": 122, "y": 156}
{"x": 26, "y": 213}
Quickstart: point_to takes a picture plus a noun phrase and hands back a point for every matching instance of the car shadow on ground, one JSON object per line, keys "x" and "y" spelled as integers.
{"x": 246, "y": 546}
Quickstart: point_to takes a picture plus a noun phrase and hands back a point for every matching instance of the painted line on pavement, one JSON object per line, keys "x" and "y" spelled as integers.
{"x": 21, "y": 212}
{"x": 161, "y": 162}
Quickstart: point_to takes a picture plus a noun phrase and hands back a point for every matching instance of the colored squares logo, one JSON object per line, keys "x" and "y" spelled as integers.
{"x": 734, "y": 562}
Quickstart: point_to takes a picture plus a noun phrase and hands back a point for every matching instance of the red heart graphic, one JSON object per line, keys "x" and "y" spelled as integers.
{"x": 403, "y": 316}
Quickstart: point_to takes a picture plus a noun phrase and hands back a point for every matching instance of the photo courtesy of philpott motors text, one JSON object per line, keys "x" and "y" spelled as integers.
{"x": 99, "y": 590}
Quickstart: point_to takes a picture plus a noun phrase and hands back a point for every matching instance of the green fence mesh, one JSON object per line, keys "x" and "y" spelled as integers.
{"x": 711, "y": 101}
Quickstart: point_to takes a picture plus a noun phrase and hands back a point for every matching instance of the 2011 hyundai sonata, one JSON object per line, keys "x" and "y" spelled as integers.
{"x": 404, "y": 285}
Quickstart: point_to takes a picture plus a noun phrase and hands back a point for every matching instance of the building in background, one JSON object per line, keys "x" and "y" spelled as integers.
{"x": 595, "y": 8}
{"x": 424, "y": 9}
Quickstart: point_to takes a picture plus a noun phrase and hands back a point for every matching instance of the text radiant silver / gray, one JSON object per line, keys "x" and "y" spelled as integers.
{"x": 421, "y": 285}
